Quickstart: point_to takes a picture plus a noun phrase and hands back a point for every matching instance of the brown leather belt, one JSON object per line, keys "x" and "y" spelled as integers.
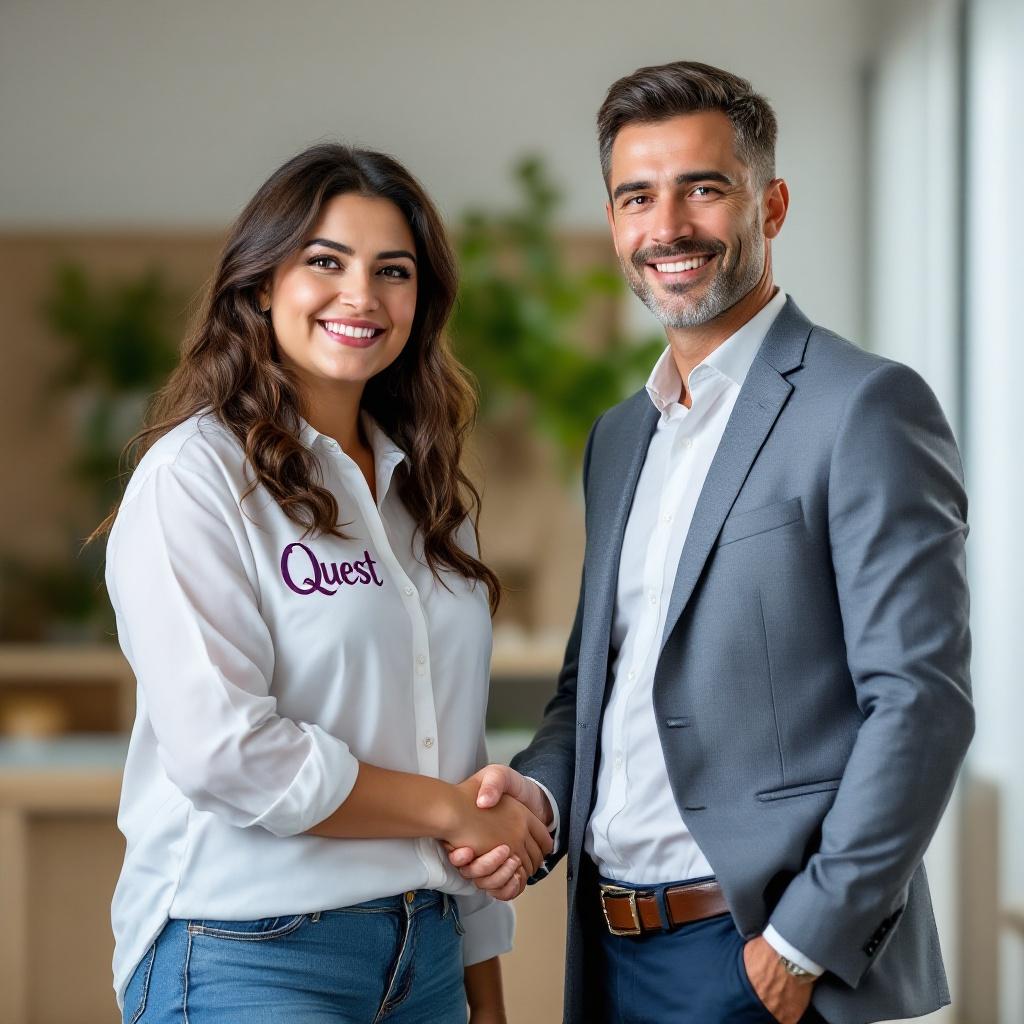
{"x": 635, "y": 911}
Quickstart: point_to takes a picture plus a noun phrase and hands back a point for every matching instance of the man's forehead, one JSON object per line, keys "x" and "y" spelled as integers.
{"x": 703, "y": 140}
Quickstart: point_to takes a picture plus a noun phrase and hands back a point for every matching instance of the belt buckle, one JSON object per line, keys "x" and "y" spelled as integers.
{"x": 630, "y": 894}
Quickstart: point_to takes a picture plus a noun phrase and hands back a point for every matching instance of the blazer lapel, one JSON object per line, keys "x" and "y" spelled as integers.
{"x": 613, "y": 492}
{"x": 761, "y": 399}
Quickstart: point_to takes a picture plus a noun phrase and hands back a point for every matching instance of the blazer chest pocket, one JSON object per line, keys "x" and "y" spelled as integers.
{"x": 827, "y": 786}
{"x": 760, "y": 520}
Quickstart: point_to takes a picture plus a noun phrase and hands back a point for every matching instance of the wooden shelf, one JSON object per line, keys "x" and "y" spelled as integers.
{"x": 74, "y": 665}
{"x": 62, "y": 665}
{"x": 74, "y": 690}
{"x": 64, "y": 690}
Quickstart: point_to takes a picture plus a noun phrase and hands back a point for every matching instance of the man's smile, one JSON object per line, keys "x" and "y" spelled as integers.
{"x": 679, "y": 270}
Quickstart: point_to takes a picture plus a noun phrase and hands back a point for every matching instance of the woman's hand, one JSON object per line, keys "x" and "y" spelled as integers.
{"x": 507, "y": 824}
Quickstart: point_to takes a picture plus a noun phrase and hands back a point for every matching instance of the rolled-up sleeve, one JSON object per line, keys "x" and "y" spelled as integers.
{"x": 183, "y": 585}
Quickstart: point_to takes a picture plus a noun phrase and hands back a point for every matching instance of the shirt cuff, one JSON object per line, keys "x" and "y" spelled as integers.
{"x": 488, "y": 926}
{"x": 318, "y": 789}
{"x": 554, "y": 826}
{"x": 783, "y": 948}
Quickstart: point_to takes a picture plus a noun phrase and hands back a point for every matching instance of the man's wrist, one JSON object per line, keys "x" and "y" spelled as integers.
{"x": 546, "y": 815}
{"x": 795, "y": 971}
{"x": 550, "y": 809}
{"x": 789, "y": 954}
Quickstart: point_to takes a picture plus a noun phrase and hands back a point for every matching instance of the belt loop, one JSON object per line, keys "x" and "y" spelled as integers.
{"x": 663, "y": 912}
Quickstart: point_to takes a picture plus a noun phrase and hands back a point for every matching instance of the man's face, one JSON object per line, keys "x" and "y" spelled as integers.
{"x": 685, "y": 216}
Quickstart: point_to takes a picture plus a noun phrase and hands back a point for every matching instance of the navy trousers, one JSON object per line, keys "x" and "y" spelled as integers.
{"x": 693, "y": 974}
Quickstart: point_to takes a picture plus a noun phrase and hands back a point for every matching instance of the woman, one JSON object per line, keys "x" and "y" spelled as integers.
{"x": 293, "y": 568}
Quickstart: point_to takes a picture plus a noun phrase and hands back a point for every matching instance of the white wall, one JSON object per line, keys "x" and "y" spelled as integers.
{"x": 914, "y": 193}
{"x": 995, "y": 432}
{"x": 913, "y": 285}
{"x": 115, "y": 112}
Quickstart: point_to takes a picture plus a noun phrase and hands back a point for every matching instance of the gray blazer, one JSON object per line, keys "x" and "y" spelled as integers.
{"x": 812, "y": 690}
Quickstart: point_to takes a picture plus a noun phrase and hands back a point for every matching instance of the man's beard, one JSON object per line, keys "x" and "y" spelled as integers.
{"x": 725, "y": 289}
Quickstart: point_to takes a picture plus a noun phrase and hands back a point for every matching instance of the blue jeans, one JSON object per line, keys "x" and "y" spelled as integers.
{"x": 396, "y": 960}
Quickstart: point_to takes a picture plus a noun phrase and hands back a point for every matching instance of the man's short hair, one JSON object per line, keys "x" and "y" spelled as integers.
{"x": 654, "y": 94}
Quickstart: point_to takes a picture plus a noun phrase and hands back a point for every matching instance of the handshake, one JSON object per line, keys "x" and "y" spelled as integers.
{"x": 500, "y": 835}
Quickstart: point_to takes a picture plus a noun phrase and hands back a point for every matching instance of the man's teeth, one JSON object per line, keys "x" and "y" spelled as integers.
{"x": 676, "y": 268}
{"x": 349, "y": 332}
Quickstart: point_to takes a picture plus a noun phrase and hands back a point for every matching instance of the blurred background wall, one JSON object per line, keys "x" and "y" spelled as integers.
{"x": 131, "y": 135}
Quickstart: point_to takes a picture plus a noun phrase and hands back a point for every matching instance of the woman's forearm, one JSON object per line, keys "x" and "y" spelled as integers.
{"x": 386, "y": 804}
{"x": 483, "y": 992}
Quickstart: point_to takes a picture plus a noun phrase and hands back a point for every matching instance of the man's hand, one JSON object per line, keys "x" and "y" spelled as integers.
{"x": 785, "y": 997}
{"x": 496, "y": 872}
{"x": 508, "y": 825}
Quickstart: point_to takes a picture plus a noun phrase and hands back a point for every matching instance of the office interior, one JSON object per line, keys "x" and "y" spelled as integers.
{"x": 132, "y": 134}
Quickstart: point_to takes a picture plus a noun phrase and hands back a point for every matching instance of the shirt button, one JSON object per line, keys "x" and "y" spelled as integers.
{"x": 667, "y": 517}
{"x": 688, "y": 443}
{"x": 618, "y": 760}
{"x": 652, "y": 597}
{"x": 428, "y": 742}
{"x": 408, "y": 591}
{"x": 331, "y": 444}
{"x": 631, "y": 676}
{"x": 421, "y": 659}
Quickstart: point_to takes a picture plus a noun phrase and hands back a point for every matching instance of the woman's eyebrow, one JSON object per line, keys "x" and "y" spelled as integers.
{"x": 390, "y": 254}
{"x": 347, "y": 250}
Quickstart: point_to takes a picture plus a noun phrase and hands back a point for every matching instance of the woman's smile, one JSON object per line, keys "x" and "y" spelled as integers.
{"x": 354, "y": 333}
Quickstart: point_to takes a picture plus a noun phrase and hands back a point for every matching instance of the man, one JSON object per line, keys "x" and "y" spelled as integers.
{"x": 765, "y": 696}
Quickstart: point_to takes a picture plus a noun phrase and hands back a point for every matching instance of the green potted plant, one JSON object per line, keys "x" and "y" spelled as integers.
{"x": 118, "y": 345}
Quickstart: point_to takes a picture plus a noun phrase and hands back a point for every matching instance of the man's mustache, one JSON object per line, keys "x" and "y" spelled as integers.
{"x": 683, "y": 248}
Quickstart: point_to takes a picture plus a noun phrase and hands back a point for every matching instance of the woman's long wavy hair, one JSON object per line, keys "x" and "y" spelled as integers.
{"x": 230, "y": 363}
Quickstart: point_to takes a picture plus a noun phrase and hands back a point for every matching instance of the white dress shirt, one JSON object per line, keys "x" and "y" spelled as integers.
{"x": 269, "y": 665}
{"x": 636, "y": 833}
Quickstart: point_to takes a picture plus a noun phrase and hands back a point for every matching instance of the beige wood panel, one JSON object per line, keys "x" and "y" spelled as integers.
{"x": 14, "y": 951}
{"x": 534, "y": 971}
{"x": 74, "y": 862}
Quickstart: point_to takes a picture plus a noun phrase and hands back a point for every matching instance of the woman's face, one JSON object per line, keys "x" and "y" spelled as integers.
{"x": 342, "y": 307}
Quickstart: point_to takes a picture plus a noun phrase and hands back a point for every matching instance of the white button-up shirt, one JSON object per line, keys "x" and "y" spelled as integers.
{"x": 636, "y": 833}
{"x": 269, "y": 665}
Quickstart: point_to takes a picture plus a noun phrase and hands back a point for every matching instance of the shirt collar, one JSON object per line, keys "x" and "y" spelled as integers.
{"x": 380, "y": 443}
{"x": 732, "y": 359}
{"x": 384, "y": 449}
{"x": 386, "y": 454}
